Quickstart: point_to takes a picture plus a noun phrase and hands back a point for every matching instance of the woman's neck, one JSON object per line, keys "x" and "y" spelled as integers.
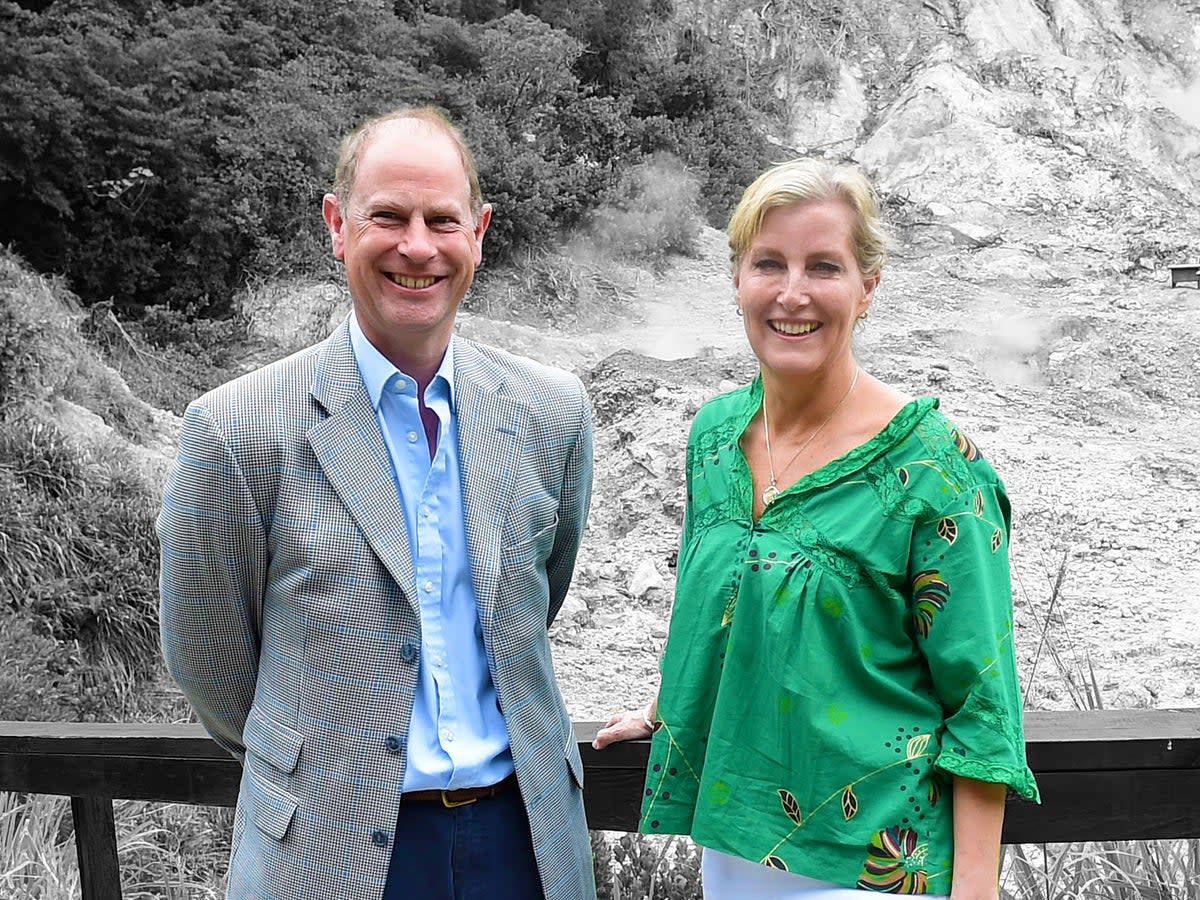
{"x": 800, "y": 403}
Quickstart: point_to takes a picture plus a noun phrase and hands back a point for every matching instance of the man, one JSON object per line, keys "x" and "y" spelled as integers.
{"x": 362, "y": 548}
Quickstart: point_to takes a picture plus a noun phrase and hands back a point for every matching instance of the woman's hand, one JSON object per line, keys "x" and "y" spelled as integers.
{"x": 628, "y": 725}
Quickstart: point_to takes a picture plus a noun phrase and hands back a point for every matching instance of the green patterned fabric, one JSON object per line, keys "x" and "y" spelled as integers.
{"x": 832, "y": 665}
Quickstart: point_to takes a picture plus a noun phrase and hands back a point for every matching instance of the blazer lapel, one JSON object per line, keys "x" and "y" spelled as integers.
{"x": 350, "y": 450}
{"x": 491, "y": 430}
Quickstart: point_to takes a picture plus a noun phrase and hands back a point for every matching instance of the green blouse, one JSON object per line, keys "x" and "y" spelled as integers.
{"x": 831, "y": 666}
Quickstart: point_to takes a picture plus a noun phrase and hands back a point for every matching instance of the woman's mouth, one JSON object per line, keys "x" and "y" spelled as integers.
{"x": 794, "y": 328}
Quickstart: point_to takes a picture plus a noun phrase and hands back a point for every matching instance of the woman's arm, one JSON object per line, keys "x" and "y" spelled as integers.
{"x": 978, "y": 816}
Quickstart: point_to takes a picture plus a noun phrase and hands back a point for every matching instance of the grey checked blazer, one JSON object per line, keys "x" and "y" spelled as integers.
{"x": 288, "y": 616}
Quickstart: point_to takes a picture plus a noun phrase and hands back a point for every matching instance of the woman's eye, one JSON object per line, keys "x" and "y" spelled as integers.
{"x": 827, "y": 267}
{"x": 766, "y": 264}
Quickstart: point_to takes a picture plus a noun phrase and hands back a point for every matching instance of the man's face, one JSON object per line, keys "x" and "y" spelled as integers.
{"x": 408, "y": 240}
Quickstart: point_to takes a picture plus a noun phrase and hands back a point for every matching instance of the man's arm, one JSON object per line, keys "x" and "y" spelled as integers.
{"x": 573, "y": 503}
{"x": 213, "y": 565}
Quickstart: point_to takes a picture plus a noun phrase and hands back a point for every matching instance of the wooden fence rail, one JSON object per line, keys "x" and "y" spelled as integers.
{"x": 1105, "y": 775}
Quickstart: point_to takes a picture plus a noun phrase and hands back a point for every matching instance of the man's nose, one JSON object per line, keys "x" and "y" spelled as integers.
{"x": 417, "y": 241}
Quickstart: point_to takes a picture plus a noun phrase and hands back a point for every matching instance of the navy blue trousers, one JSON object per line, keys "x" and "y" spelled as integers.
{"x": 481, "y": 851}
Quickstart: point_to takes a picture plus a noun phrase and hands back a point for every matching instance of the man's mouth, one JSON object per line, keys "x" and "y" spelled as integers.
{"x": 411, "y": 282}
{"x": 795, "y": 328}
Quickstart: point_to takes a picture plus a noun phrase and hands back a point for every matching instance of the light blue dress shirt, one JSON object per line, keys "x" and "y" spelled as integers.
{"x": 457, "y": 736}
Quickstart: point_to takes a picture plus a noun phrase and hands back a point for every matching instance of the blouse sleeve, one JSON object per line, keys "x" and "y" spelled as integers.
{"x": 961, "y": 604}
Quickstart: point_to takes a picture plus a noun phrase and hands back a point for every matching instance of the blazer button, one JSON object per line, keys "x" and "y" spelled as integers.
{"x": 408, "y": 652}
{"x": 379, "y": 838}
{"x": 393, "y": 743}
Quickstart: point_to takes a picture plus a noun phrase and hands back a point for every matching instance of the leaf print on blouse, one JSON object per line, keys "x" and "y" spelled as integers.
{"x": 849, "y": 803}
{"x": 790, "y": 806}
{"x": 774, "y": 862}
{"x": 947, "y": 530}
{"x": 917, "y": 745}
{"x": 930, "y": 594}
{"x": 965, "y": 445}
{"x": 889, "y": 854}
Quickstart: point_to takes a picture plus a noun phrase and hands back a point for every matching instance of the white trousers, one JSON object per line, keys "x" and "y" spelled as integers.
{"x": 728, "y": 877}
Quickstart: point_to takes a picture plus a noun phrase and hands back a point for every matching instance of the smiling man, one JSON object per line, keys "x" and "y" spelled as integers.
{"x": 362, "y": 548}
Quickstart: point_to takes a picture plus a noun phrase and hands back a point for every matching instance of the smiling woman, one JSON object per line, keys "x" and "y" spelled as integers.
{"x": 839, "y": 708}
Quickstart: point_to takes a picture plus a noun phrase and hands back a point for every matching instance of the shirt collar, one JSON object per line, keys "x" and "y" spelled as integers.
{"x": 377, "y": 370}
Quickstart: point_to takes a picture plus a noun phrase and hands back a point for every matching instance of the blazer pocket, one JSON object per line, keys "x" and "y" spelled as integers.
{"x": 574, "y": 763}
{"x": 269, "y": 808}
{"x": 272, "y": 741}
{"x": 527, "y": 548}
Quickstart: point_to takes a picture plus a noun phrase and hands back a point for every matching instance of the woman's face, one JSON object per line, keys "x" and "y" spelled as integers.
{"x": 800, "y": 288}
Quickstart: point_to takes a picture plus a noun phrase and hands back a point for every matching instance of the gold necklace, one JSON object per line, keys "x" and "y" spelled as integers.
{"x": 771, "y": 491}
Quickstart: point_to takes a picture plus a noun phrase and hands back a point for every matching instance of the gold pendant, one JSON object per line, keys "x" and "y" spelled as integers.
{"x": 770, "y": 492}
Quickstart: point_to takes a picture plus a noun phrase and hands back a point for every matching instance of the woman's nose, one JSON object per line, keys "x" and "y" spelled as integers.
{"x": 795, "y": 292}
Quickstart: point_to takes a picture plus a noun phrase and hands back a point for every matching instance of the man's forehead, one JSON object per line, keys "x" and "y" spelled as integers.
{"x": 416, "y": 143}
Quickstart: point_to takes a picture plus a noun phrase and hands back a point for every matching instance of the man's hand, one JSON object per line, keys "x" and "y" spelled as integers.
{"x": 628, "y": 725}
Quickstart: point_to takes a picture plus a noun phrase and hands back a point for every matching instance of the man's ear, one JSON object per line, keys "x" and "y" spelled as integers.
{"x": 331, "y": 212}
{"x": 481, "y": 226}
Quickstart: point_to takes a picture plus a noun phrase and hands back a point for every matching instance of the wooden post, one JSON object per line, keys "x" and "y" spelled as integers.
{"x": 96, "y": 846}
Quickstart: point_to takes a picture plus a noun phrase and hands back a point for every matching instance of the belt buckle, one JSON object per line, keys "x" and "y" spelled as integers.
{"x": 454, "y": 804}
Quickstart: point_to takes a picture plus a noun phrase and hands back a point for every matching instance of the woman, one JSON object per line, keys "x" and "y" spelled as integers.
{"x": 839, "y": 709}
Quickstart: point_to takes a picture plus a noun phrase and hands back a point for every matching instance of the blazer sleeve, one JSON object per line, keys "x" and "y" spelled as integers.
{"x": 212, "y": 576}
{"x": 574, "y": 500}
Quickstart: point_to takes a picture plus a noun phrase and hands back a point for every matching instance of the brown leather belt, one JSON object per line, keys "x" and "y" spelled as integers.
{"x": 461, "y": 796}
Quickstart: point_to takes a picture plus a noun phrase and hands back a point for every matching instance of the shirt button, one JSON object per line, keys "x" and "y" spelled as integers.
{"x": 447, "y": 735}
{"x": 426, "y": 511}
{"x": 408, "y": 652}
{"x": 392, "y": 743}
{"x": 401, "y": 384}
{"x": 379, "y": 838}
{"x": 428, "y": 586}
{"x": 412, "y": 437}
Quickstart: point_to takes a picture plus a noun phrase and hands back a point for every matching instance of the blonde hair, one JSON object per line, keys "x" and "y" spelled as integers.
{"x": 801, "y": 180}
{"x": 356, "y": 141}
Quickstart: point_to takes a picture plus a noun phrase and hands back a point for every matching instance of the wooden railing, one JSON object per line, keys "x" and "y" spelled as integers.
{"x": 1106, "y": 775}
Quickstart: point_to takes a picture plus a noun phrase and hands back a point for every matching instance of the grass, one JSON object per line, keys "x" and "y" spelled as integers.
{"x": 1091, "y": 870}
{"x": 165, "y": 851}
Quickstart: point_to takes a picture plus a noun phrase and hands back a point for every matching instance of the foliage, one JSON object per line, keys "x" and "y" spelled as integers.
{"x": 162, "y": 153}
{"x": 634, "y": 866}
{"x": 1104, "y": 870}
{"x": 44, "y": 358}
{"x": 79, "y": 556}
{"x": 653, "y": 213}
{"x": 163, "y": 850}
{"x": 170, "y": 357}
